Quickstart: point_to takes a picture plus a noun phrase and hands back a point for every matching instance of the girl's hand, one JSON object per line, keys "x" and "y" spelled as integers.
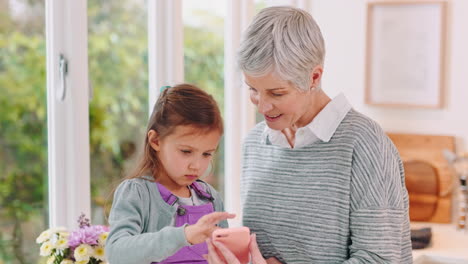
{"x": 202, "y": 230}
{"x": 229, "y": 258}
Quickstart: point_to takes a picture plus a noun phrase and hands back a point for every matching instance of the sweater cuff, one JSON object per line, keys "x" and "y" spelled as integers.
{"x": 180, "y": 236}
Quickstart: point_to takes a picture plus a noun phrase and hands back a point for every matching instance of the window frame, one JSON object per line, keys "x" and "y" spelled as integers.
{"x": 239, "y": 113}
{"x": 166, "y": 57}
{"x": 68, "y": 120}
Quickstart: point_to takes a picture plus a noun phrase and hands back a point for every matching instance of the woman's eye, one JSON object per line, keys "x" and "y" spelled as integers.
{"x": 277, "y": 95}
{"x": 252, "y": 90}
{"x": 186, "y": 151}
{"x": 207, "y": 154}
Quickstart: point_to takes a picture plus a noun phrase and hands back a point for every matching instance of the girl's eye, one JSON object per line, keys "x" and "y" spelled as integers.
{"x": 277, "y": 95}
{"x": 185, "y": 151}
{"x": 207, "y": 154}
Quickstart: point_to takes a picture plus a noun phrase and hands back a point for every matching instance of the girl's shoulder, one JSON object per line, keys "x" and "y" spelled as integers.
{"x": 141, "y": 181}
{"x": 217, "y": 199}
{"x": 135, "y": 186}
{"x": 205, "y": 186}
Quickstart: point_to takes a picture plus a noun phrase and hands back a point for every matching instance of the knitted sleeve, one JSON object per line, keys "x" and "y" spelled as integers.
{"x": 127, "y": 244}
{"x": 379, "y": 221}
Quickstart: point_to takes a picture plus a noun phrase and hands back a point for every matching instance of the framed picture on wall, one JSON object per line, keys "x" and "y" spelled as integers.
{"x": 405, "y": 53}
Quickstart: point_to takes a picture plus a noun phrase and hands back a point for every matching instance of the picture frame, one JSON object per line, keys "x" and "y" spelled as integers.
{"x": 405, "y": 53}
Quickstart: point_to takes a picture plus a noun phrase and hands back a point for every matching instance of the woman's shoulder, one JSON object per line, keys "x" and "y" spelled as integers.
{"x": 361, "y": 126}
{"x": 256, "y": 132}
{"x": 257, "y": 129}
{"x": 367, "y": 134}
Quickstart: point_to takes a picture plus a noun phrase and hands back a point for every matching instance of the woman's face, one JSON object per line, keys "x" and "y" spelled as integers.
{"x": 281, "y": 104}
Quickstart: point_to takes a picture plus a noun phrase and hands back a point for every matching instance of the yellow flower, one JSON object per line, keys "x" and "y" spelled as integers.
{"x": 83, "y": 252}
{"x": 44, "y": 236}
{"x": 82, "y": 262}
{"x": 66, "y": 261}
{"x": 99, "y": 253}
{"x": 62, "y": 243}
{"x": 46, "y": 249}
{"x": 102, "y": 238}
{"x": 51, "y": 260}
{"x": 64, "y": 234}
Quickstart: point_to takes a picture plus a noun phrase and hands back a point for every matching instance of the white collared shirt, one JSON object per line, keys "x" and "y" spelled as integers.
{"x": 322, "y": 127}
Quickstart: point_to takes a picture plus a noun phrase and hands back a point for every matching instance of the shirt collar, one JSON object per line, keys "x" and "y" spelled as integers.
{"x": 322, "y": 127}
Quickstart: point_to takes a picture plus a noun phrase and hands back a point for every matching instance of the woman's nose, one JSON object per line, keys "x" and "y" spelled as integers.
{"x": 264, "y": 106}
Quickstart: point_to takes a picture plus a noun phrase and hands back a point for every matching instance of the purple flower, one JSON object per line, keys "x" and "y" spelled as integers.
{"x": 83, "y": 221}
{"x": 86, "y": 235}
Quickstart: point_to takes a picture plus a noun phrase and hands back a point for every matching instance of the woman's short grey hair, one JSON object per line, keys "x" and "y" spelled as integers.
{"x": 284, "y": 40}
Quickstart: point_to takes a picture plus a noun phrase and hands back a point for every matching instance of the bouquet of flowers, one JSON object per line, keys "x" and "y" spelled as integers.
{"x": 83, "y": 246}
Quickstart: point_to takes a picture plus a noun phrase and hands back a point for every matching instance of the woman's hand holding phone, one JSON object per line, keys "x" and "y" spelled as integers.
{"x": 217, "y": 251}
{"x": 235, "y": 239}
{"x": 273, "y": 260}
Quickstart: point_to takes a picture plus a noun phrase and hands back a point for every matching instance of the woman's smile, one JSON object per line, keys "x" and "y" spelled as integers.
{"x": 270, "y": 118}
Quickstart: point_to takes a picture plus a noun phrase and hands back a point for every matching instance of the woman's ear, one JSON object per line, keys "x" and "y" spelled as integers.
{"x": 316, "y": 76}
{"x": 153, "y": 140}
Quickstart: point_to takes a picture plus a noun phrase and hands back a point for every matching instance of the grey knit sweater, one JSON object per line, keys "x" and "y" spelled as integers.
{"x": 342, "y": 201}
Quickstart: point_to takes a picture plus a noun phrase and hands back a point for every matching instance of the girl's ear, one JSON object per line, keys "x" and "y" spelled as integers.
{"x": 153, "y": 140}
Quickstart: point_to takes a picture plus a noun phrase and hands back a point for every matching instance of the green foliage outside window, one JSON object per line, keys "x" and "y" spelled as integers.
{"x": 118, "y": 110}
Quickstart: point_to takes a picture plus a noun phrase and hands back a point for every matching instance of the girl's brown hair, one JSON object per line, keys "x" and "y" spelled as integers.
{"x": 180, "y": 105}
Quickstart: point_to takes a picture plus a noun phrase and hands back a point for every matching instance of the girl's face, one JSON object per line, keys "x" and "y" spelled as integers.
{"x": 185, "y": 155}
{"x": 281, "y": 104}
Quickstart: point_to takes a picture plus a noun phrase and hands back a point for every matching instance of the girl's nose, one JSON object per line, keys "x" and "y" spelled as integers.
{"x": 195, "y": 164}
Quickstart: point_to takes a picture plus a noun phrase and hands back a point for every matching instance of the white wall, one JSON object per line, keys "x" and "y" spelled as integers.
{"x": 343, "y": 24}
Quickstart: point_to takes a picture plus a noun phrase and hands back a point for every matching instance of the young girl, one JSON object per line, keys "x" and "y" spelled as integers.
{"x": 163, "y": 213}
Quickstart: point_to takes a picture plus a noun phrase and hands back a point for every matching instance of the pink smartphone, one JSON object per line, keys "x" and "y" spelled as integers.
{"x": 236, "y": 239}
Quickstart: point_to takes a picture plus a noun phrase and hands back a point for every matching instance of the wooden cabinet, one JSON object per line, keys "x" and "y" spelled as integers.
{"x": 429, "y": 179}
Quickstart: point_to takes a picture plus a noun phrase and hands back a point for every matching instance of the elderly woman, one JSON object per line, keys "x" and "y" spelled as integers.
{"x": 321, "y": 182}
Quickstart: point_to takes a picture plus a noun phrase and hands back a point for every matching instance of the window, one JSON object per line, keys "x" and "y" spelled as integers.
{"x": 204, "y": 61}
{"x": 118, "y": 111}
{"x": 23, "y": 130}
